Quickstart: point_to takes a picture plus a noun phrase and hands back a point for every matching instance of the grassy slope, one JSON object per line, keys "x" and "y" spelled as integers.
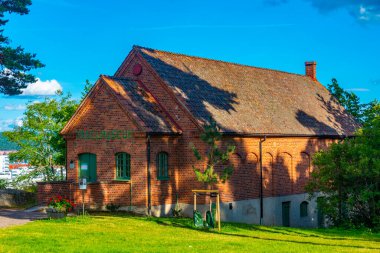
{"x": 137, "y": 234}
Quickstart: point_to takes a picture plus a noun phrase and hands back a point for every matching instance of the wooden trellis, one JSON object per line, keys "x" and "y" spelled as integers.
{"x": 211, "y": 193}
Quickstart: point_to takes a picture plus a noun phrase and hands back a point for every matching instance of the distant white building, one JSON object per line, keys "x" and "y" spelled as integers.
{"x": 4, "y": 165}
{"x": 4, "y": 160}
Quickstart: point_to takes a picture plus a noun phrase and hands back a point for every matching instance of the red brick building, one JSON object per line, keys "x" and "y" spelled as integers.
{"x": 131, "y": 136}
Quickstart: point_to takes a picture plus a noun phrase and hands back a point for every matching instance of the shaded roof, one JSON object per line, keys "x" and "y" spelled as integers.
{"x": 139, "y": 102}
{"x": 250, "y": 100}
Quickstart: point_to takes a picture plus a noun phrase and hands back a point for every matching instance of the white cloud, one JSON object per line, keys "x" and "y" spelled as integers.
{"x": 42, "y": 88}
{"x": 8, "y": 124}
{"x": 362, "y": 10}
{"x": 358, "y": 89}
{"x": 18, "y": 107}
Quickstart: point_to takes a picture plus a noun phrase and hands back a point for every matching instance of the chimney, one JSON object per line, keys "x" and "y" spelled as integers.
{"x": 311, "y": 69}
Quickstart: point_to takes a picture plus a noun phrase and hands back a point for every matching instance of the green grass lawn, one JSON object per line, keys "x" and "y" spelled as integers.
{"x": 105, "y": 233}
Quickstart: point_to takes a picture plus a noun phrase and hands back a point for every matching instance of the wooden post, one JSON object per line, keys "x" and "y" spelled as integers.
{"x": 83, "y": 202}
{"x": 195, "y": 201}
{"x": 211, "y": 193}
{"x": 218, "y": 210}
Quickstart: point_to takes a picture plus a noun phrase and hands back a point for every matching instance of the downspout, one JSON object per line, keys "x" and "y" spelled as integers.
{"x": 261, "y": 180}
{"x": 148, "y": 174}
{"x": 130, "y": 196}
{"x": 66, "y": 158}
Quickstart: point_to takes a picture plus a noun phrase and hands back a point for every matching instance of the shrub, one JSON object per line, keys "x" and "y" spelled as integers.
{"x": 3, "y": 184}
{"x": 112, "y": 207}
{"x": 61, "y": 204}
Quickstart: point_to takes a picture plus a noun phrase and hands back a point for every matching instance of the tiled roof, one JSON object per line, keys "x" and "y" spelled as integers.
{"x": 140, "y": 102}
{"x": 250, "y": 100}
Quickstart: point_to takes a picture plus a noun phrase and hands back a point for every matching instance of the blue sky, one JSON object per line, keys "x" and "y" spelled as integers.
{"x": 79, "y": 40}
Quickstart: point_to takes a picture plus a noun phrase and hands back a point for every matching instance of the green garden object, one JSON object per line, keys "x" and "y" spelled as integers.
{"x": 210, "y": 220}
{"x": 198, "y": 220}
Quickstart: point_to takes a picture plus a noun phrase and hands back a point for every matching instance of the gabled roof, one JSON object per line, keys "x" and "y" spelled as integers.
{"x": 138, "y": 103}
{"x": 250, "y": 100}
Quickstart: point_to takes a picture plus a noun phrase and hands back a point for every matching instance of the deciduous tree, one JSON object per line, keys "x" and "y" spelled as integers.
{"x": 39, "y": 139}
{"x": 348, "y": 176}
{"x": 351, "y": 102}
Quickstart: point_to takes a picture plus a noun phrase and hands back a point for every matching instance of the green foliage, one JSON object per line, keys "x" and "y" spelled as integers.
{"x": 215, "y": 156}
{"x": 15, "y": 63}
{"x": 351, "y": 102}
{"x": 5, "y": 144}
{"x": 348, "y": 175}
{"x": 39, "y": 139}
{"x": 87, "y": 87}
{"x": 348, "y": 99}
{"x": 61, "y": 204}
{"x": 177, "y": 210}
{"x": 3, "y": 184}
{"x": 371, "y": 112}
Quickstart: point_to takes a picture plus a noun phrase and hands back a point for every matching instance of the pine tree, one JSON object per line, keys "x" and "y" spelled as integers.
{"x": 214, "y": 156}
{"x": 15, "y": 63}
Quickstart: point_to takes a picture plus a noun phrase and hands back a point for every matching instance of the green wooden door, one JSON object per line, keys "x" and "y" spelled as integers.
{"x": 87, "y": 166}
{"x": 286, "y": 214}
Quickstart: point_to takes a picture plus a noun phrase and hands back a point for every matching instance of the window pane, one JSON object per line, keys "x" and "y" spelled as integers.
{"x": 123, "y": 164}
{"x": 165, "y": 165}
{"x": 162, "y": 165}
{"x": 127, "y": 165}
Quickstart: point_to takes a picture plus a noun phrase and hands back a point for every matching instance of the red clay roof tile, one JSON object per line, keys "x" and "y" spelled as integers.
{"x": 250, "y": 100}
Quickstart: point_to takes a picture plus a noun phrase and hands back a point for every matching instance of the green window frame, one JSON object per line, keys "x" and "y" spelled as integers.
{"x": 162, "y": 165}
{"x": 87, "y": 167}
{"x": 304, "y": 209}
{"x": 123, "y": 166}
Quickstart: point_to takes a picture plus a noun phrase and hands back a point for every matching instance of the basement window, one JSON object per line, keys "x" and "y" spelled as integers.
{"x": 123, "y": 166}
{"x": 304, "y": 209}
{"x": 162, "y": 166}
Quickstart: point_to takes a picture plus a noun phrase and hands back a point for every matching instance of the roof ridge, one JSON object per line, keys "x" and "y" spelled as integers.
{"x": 214, "y": 60}
{"x": 119, "y": 77}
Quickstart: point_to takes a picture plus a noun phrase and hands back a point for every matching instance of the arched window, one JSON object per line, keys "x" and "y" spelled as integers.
{"x": 162, "y": 166}
{"x": 303, "y": 209}
{"x": 123, "y": 166}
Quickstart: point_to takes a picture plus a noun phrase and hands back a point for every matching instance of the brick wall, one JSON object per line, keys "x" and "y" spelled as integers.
{"x": 286, "y": 167}
{"x": 286, "y": 161}
{"x": 46, "y": 190}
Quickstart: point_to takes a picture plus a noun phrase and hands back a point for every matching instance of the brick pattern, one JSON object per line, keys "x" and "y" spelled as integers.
{"x": 286, "y": 161}
{"x": 311, "y": 70}
{"x": 162, "y": 93}
{"x": 47, "y": 190}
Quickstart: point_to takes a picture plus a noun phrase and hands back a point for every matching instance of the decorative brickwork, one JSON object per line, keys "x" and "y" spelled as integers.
{"x": 286, "y": 158}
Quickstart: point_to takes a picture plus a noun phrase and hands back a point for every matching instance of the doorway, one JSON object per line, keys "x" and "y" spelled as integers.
{"x": 87, "y": 166}
{"x": 286, "y": 214}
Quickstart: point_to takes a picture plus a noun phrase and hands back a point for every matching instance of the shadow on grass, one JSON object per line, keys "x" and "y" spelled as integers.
{"x": 187, "y": 223}
{"x": 285, "y": 231}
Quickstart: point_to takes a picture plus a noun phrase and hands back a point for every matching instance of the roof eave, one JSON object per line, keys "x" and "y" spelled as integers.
{"x": 283, "y": 135}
